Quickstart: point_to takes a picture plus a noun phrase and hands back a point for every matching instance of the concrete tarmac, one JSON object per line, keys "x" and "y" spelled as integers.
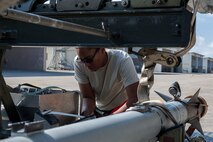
{"x": 189, "y": 84}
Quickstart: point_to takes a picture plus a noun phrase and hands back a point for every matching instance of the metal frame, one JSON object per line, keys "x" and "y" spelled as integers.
{"x": 113, "y": 25}
{"x": 161, "y": 25}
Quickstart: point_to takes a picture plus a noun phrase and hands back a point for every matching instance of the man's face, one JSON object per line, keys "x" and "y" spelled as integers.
{"x": 90, "y": 57}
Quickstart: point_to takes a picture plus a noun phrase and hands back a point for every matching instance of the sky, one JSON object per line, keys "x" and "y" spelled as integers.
{"x": 204, "y": 35}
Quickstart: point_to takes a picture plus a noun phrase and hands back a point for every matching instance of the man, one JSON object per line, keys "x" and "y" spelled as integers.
{"x": 107, "y": 80}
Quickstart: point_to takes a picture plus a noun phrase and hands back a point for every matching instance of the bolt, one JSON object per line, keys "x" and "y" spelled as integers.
{"x": 169, "y": 60}
{"x": 114, "y": 4}
{"x": 81, "y": 5}
{"x": 124, "y": 3}
{"x": 177, "y": 25}
{"x": 158, "y": 1}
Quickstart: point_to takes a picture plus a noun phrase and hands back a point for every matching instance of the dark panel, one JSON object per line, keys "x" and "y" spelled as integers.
{"x": 157, "y": 28}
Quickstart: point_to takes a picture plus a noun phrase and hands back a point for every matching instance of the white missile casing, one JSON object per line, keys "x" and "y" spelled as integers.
{"x": 130, "y": 126}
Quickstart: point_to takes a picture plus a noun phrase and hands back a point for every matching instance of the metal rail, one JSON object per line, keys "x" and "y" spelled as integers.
{"x": 55, "y": 23}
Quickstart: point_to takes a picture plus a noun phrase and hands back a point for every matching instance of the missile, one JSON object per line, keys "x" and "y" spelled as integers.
{"x": 149, "y": 121}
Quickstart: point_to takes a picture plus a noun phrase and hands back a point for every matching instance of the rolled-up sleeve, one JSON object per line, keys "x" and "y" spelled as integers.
{"x": 80, "y": 74}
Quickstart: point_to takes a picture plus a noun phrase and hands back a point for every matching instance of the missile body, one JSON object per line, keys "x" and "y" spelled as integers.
{"x": 141, "y": 123}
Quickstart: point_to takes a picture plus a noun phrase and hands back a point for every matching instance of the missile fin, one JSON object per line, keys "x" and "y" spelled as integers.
{"x": 194, "y": 98}
{"x": 164, "y": 97}
{"x": 196, "y": 124}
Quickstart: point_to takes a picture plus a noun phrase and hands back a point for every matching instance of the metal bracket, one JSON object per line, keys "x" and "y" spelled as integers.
{"x": 24, "y": 6}
{"x": 154, "y": 3}
{"x": 160, "y": 57}
{"x": 26, "y": 127}
{"x": 66, "y": 5}
{"x": 150, "y": 57}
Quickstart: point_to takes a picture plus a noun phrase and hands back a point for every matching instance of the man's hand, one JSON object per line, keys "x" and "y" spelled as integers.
{"x": 88, "y": 106}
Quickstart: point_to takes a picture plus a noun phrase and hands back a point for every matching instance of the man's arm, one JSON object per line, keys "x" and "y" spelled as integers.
{"x": 131, "y": 91}
{"x": 88, "y": 95}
